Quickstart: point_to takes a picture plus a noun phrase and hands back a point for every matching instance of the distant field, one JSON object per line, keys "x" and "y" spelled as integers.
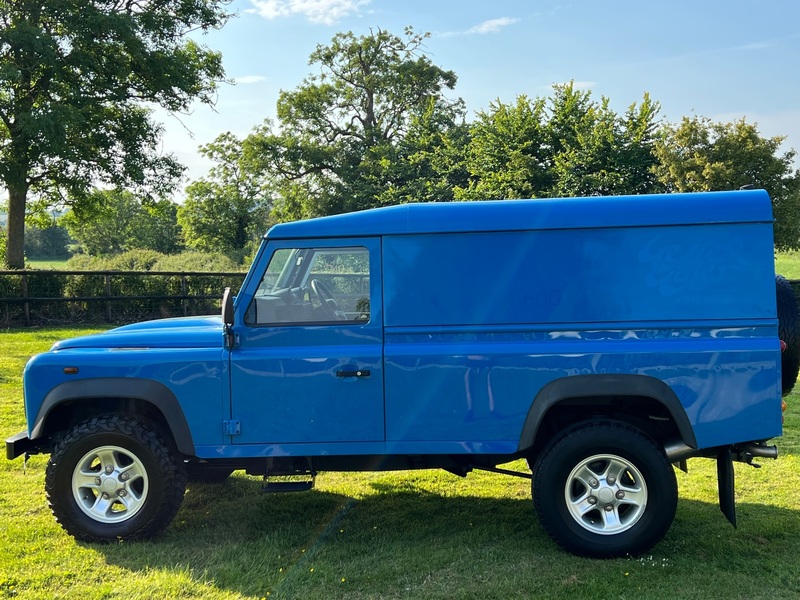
{"x": 788, "y": 264}
{"x": 423, "y": 534}
{"x": 46, "y": 264}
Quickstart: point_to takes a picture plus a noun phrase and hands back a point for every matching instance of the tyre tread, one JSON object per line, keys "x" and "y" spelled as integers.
{"x": 171, "y": 472}
{"x": 560, "y": 444}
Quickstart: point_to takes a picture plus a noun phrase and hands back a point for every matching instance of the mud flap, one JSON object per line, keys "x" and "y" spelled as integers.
{"x": 727, "y": 502}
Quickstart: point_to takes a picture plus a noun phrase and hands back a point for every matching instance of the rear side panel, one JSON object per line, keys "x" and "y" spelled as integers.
{"x": 477, "y": 323}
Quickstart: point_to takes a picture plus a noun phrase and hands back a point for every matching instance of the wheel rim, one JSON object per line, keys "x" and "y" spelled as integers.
{"x": 606, "y": 494}
{"x": 110, "y": 484}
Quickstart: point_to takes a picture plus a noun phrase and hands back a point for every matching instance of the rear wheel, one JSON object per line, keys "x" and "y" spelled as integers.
{"x": 114, "y": 477}
{"x": 604, "y": 489}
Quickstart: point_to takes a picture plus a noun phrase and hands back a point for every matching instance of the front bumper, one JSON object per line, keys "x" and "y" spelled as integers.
{"x": 19, "y": 444}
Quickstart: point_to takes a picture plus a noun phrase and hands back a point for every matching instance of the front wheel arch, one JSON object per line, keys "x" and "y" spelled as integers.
{"x": 73, "y": 401}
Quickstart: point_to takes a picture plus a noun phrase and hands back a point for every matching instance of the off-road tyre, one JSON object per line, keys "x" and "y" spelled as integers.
{"x": 562, "y": 476}
{"x": 789, "y": 332}
{"x": 156, "y": 476}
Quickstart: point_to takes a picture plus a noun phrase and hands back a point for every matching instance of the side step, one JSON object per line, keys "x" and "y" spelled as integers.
{"x": 285, "y": 484}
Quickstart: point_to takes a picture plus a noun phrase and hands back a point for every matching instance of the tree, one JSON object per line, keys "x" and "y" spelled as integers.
{"x": 342, "y": 137}
{"x": 508, "y": 154}
{"x": 227, "y": 210}
{"x": 565, "y": 145}
{"x": 699, "y": 155}
{"x": 597, "y": 151}
{"x": 115, "y": 221}
{"x": 73, "y": 80}
{"x": 428, "y": 163}
{"x": 47, "y": 242}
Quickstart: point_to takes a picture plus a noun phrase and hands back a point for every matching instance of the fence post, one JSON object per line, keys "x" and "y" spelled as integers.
{"x": 107, "y": 278}
{"x": 183, "y": 293}
{"x": 26, "y": 306}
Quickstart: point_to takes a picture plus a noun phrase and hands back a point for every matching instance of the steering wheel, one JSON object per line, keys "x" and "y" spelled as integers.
{"x": 329, "y": 304}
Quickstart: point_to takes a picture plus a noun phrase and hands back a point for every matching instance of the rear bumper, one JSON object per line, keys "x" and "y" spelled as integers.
{"x": 19, "y": 444}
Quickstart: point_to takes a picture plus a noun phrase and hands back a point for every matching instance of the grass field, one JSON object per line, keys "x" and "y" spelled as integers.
{"x": 788, "y": 264}
{"x": 46, "y": 265}
{"x": 392, "y": 535}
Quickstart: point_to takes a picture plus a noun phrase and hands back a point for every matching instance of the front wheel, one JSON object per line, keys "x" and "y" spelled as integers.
{"x": 604, "y": 489}
{"x": 114, "y": 477}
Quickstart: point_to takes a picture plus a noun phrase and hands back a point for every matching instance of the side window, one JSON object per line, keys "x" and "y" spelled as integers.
{"x": 313, "y": 285}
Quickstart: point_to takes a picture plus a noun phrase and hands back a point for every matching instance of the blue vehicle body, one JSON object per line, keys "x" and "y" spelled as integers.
{"x": 480, "y": 332}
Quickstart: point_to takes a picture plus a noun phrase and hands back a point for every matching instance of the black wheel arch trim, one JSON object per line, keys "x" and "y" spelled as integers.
{"x": 586, "y": 386}
{"x": 146, "y": 390}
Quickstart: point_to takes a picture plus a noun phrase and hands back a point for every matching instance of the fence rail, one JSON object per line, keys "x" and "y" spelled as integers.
{"x": 47, "y": 297}
{"x": 33, "y": 297}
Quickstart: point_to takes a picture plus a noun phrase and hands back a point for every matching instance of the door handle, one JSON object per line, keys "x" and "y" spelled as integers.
{"x": 355, "y": 373}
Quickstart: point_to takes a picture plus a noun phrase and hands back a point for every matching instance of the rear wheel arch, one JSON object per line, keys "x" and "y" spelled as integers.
{"x": 73, "y": 401}
{"x": 629, "y": 398}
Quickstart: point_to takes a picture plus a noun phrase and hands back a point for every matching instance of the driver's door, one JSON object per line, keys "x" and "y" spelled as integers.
{"x": 308, "y": 365}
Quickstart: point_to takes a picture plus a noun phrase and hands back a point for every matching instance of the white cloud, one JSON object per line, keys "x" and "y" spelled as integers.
{"x": 327, "y": 12}
{"x": 492, "y": 25}
{"x": 244, "y": 80}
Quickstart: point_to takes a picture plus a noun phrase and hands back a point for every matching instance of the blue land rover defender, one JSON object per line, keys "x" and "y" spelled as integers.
{"x": 605, "y": 340}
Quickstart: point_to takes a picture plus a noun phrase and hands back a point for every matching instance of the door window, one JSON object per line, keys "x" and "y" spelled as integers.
{"x": 313, "y": 285}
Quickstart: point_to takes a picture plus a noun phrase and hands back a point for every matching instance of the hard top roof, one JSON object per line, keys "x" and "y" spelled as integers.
{"x": 745, "y": 206}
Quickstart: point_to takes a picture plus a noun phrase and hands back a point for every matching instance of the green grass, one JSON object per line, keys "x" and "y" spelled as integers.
{"x": 46, "y": 265}
{"x": 420, "y": 534}
{"x": 788, "y": 264}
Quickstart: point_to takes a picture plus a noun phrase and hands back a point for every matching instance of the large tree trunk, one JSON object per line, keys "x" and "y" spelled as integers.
{"x": 15, "y": 245}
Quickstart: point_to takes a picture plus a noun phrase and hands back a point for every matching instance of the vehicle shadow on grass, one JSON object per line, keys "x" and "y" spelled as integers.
{"x": 233, "y": 538}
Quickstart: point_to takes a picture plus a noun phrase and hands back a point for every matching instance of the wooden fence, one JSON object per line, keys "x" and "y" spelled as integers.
{"x": 34, "y": 297}
{"x": 31, "y": 297}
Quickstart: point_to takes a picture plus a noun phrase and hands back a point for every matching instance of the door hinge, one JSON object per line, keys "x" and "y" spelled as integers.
{"x": 232, "y": 427}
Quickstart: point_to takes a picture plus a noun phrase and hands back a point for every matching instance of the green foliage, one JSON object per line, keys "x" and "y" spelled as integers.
{"x": 196, "y": 261}
{"x": 429, "y": 161}
{"x": 699, "y": 155}
{"x": 367, "y": 130}
{"x": 227, "y": 211}
{"x": 49, "y": 242}
{"x": 73, "y": 83}
{"x": 114, "y": 221}
{"x": 507, "y": 156}
{"x": 567, "y": 145}
{"x": 150, "y": 260}
{"x": 93, "y": 282}
{"x": 599, "y": 152}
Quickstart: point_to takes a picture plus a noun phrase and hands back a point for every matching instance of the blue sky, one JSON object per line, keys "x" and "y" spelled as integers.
{"x": 720, "y": 59}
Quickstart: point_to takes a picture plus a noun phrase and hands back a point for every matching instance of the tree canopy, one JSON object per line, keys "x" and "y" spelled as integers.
{"x": 110, "y": 222}
{"x": 699, "y": 155}
{"x": 342, "y": 136}
{"x": 228, "y": 209}
{"x": 372, "y": 125}
{"x": 566, "y": 145}
{"x": 74, "y": 77}
{"x": 375, "y": 127}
